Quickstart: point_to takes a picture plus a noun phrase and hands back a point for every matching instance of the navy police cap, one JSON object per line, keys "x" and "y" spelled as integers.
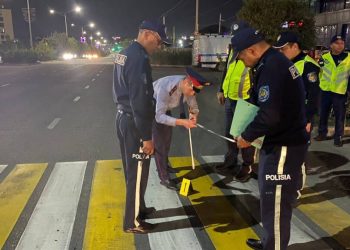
{"x": 336, "y": 38}
{"x": 156, "y": 27}
{"x": 197, "y": 80}
{"x": 245, "y": 38}
{"x": 286, "y": 37}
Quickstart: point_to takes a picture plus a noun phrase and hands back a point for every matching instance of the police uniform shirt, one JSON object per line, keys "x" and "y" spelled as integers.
{"x": 311, "y": 81}
{"x": 279, "y": 92}
{"x": 167, "y": 94}
{"x": 132, "y": 87}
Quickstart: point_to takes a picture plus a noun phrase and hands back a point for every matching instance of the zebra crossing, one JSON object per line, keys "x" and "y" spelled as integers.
{"x": 220, "y": 214}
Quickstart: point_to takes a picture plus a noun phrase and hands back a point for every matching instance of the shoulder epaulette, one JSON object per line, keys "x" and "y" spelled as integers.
{"x": 173, "y": 90}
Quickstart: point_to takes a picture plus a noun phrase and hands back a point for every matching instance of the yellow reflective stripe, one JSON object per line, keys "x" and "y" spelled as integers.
{"x": 222, "y": 222}
{"x": 241, "y": 83}
{"x": 278, "y": 196}
{"x": 104, "y": 227}
{"x": 327, "y": 71}
{"x": 326, "y": 215}
{"x": 15, "y": 192}
{"x": 277, "y": 218}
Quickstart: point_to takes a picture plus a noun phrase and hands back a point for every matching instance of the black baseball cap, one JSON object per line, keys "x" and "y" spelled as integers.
{"x": 286, "y": 37}
{"x": 156, "y": 27}
{"x": 245, "y": 38}
{"x": 337, "y": 37}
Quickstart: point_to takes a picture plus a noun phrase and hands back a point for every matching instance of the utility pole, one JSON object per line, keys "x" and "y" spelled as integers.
{"x": 196, "y": 24}
{"x": 65, "y": 23}
{"x": 219, "y": 24}
{"x": 174, "y": 36}
{"x": 164, "y": 20}
{"x": 30, "y": 26}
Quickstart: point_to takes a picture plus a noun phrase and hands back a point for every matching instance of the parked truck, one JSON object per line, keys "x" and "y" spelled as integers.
{"x": 210, "y": 51}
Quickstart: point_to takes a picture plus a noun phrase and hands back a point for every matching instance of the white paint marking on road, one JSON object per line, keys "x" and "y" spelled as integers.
{"x": 98, "y": 75}
{"x": 4, "y": 85}
{"x": 2, "y": 168}
{"x": 101, "y": 71}
{"x": 76, "y": 99}
{"x": 93, "y": 79}
{"x": 168, "y": 200}
{"x": 300, "y": 232}
{"x": 54, "y": 123}
{"x": 51, "y": 223}
{"x": 87, "y": 86}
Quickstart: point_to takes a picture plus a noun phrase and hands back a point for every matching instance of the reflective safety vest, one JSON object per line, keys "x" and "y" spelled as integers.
{"x": 301, "y": 63}
{"x": 237, "y": 80}
{"x": 334, "y": 78}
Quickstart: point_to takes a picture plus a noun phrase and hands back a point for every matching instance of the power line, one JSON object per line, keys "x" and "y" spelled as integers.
{"x": 172, "y": 8}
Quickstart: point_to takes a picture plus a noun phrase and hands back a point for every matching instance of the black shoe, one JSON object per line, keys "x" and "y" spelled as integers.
{"x": 255, "y": 244}
{"x": 338, "y": 141}
{"x": 244, "y": 174}
{"x": 146, "y": 212}
{"x": 169, "y": 184}
{"x": 321, "y": 138}
{"x": 143, "y": 228}
{"x": 172, "y": 170}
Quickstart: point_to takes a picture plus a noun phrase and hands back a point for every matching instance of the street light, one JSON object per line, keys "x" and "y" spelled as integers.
{"x": 91, "y": 25}
{"x": 98, "y": 33}
{"x": 77, "y": 9}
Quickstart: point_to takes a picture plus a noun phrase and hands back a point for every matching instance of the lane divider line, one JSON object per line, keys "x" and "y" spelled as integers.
{"x": 54, "y": 123}
{"x": 87, "y": 86}
{"x": 4, "y": 85}
{"x": 93, "y": 79}
{"x": 76, "y": 99}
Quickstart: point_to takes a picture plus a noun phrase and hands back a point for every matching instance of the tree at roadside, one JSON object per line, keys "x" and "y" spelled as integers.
{"x": 273, "y": 16}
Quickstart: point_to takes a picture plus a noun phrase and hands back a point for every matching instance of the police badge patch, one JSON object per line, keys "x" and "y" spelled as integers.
{"x": 294, "y": 72}
{"x": 264, "y": 93}
{"x": 312, "y": 77}
{"x": 120, "y": 59}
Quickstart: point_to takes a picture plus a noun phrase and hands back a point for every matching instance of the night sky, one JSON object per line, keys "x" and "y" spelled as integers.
{"x": 119, "y": 17}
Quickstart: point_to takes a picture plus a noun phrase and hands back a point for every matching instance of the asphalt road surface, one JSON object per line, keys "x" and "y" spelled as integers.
{"x": 62, "y": 184}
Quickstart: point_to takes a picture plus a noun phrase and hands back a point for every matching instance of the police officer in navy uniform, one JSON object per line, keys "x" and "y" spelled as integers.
{"x": 169, "y": 92}
{"x": 278, "y": 91}
{"x": 289, "y": 44}
{"x": 133, "y": 95}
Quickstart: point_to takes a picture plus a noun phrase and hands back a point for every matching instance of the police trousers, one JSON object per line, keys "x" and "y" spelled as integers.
{"x": 337, "y": 101}
{"x": 232, "y": 149}
{"x": 279, "y": 180}
{"x": 161, "y": 135}
{"x": 136, "y": 168}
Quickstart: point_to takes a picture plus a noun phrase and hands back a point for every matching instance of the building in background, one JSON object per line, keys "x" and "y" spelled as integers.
{"x": 332, "y": 17}
{"x": 6, "y": 25}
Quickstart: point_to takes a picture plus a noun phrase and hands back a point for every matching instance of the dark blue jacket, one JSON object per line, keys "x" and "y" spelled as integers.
{"x": 279, "y": 91}
{"x": 133, "y": 89}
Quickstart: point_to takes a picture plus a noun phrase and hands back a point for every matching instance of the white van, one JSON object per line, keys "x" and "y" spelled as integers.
{"x": 210, "y": 51}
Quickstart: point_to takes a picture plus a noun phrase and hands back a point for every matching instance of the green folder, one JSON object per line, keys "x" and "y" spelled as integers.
{"x": 244, "y": 115}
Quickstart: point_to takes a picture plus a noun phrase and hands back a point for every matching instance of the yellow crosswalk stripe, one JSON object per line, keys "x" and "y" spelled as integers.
{"x": 224, "y": 225}
{"x": 332, "y": 219}
{"x": 104, "y": 228}
{"x": 15, "y": 191}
